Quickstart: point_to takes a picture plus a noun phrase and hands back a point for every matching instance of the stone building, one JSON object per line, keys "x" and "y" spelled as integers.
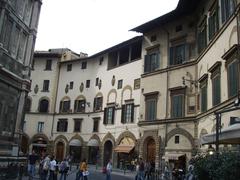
{"x": 86, "y": 107}
{"x": 191, "y": 71}
{"x": 154, "y": 96}
{"x": 18, "y": 29}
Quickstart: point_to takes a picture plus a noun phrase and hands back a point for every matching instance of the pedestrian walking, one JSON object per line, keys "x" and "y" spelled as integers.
{"x": 53, "y": 169}
{"x": 32, "y": 159}
{"x": 109, "y": 170}
{"x": 46, "y": 166}
{"x": 140, "y": 175}
{"x": 63, "y": 169}
{"x": 84, "y": 169}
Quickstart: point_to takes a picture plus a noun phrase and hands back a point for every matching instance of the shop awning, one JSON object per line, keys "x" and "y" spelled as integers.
{"x": 172, "y": 156}
{"x": 75, "y": 142}
{"x": 93, "y": 143}
{"x": 123, "y": 149}
{"x": 228, "y": 135}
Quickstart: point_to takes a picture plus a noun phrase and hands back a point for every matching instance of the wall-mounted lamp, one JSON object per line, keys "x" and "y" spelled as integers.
{"x": 88, "y": 104}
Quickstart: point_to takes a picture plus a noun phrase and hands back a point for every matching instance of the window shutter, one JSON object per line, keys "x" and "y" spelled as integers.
{"x": 58, "y": 126}
{"x": 100, "y": 102}
{"x": 146, "y": 63}
{"x": 113, "y": 115}
{"x": 157, "y": 61}
{"x": 94, "y": 104}
{"x": 123, "y": 114}
{"x": 171, "y": 60}
{"x": 65, "y": 126}
{"x": 61, "y": 106}
{"x": 132, "y": 113}
{"x": 105, "y": 116}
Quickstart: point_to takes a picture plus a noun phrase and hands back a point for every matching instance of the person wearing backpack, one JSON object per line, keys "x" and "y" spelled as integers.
{"x": 63, "y": 169}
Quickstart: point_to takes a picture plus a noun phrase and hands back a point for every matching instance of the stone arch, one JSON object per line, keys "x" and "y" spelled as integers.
{"x": 230, "y": 42}
{"x": 99, "y": 94}
{"x": 61, "y": 138}
{"x": 80, "y": 97}
{"x": 76, "y": 137}
{"x": 94, "y": 136}
{"x": 125, "y": 134}
{"x": 203, "y": 132}
{"x": 127, "y": 87}
{"x": 107, "y": 137}
{"x": 112, "y": 91}
{"x": 65, "y": 98}
{"x": 182, "y": 132}
{"x": 39, "y": 135}
{"x": 148, "y": 135}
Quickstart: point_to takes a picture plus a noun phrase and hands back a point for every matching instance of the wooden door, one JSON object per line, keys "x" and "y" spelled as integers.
{"x": 107, "y": 152}
{"x": 60, "y": 151}
{"x": 151, "y": 150}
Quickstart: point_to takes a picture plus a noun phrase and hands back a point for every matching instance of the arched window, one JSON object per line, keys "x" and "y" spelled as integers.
{"x": 28, "y": 104}
{"x": 43, "y": 105}
{"x": 65, "y": 105}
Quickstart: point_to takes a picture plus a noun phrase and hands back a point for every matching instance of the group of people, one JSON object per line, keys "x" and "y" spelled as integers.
{"x": 49, "y": 168}
{"x": 144, "y": 170}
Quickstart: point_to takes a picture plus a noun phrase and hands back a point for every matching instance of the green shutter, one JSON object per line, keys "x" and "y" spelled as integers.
{"x": 113, "y": 114}
{"x": 132, "y": 113}
{"x": 157, "y": 61}
{"x": 123, "y": 114}
{"x": 147, "y": 63}
{"x": 105, "y": 116}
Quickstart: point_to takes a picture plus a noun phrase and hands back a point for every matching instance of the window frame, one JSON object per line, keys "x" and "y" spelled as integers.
{"x": 41, "y": 107}
{"x": 48, "y": 66}
{"x": 96, "y": 103}
{"x": 204, "y": 93}
{"x": 69, "y": 67}
{"x": 120, "y": 84}
{"x": 62, "y": 125}
{"x": 151, "y": 98}
{"x": 84, "y": 65}
{"x": 96, "y": 125}
{"x": 79, "y": 121}
{"x": 78, "y": 105}
{"x": 178, "y": 92}
{"x": 109, "y": 118}
{"x": 46, "y": 84}
{"x": 126, "y": 115}
{"x": 40, "y": 127}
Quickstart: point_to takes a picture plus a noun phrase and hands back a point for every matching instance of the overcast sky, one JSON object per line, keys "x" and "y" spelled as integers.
{"x": 91, "y": 26}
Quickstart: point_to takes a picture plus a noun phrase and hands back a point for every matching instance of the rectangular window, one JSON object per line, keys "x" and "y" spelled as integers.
{"x": 178, "y": 102}
{"x": 22, "y": 46}
{"x": 233, "y": 78}
{"x": 120, "y": 83}
{"x": 202, "y": 36}
{"x": 69, "y": 67}
{"x": 15, "y": 41}
{"x": 216, "y": 90}
{"x": 45, "y": 86}
{"x": 62, "y": 125}
{"x": 84, "y": 65}
{"x": 48, "y": 65}
{"x": 203, "y": 91}
{"x": 177, "y": 106}
{"x": 136, "y": 83}
{"x": 71, "y": 85}
{"x": 6, "y": 32}
{"x": 79, "y": 105}
{"x": 77, "y": 125}
{"x": 127, "y": 113}
{"x": 95, "y": 124}
{"x": 213, "y": 22}
{"x": 151, "y": 62}
{"x": 40, "y": 127}
{"x": 64, "y": 106}
{"x": 109, "y": 114}
{"x": 227, "y": 9}
{"x": 97, "y": 81}
{"x": 87, "y": 83}
{"x": 178, "y": 54}
{"x": 98, "y": 103}
{"x": 177, "y": 139}
{"x": 151, "y": 107}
